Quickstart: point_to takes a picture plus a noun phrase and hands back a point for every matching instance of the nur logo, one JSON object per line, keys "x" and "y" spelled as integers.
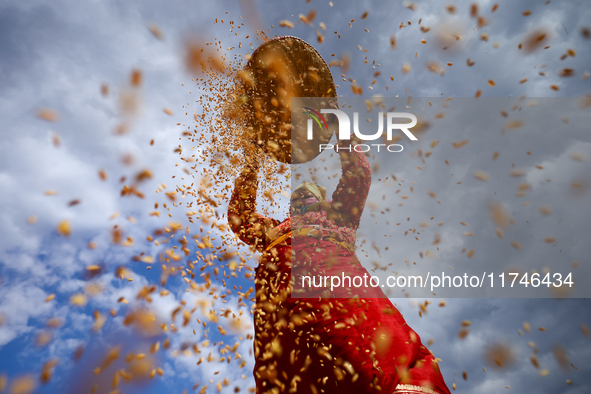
{"x": 345, "y": 127}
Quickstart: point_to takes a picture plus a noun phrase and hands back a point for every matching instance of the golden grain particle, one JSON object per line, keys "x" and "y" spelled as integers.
{"x": 199, "y": 61}
{"x": 56, "y": 140}
{"x": 93, "y": 289}
{"x": 481, "y": 175}
{"x": 286, "y": 23}
{"x": 50, "y": 297}
{"x": 155, "y": 30}
{"x": 168, "y": 111}
{"x": 406, "y": 68}
{"x": 104, "y": 89}
{"x": 43, "y": 338}
{"x": 99, "y": 321}
{"x": 463, "y": 333}
{"x": 535, "y": 39}
{"x": 78, "y": 353}
{"x": 549, "y": 240}
{"x": 48, "y": 115}
{"x": 561, "y": 357}
{"x": 64, "y": 228}
{"x": 47, "y": 370}
{"x": 434, "y": 67}
{"x": 356, "y": 89}
{"x": 500, "y": 355}
{"x": 491, "y": 82}
{"x": 495, "y": 7}
{"x": 54, "y": 322}
{"x": 554, "y": 87}
{"x": 23, "y": 385}
{"x": 499, "y": 233}
{"x": 451, "y": 9}
{"x": 498, "y": 215}
{"x": 526, "y": 13}
{"x": 79, "y": 299}
{"x": 483, "y": 22}
{"x": 458, "y": 145}
{"x": 578, "y": 156}
{"x": 516, "y": 173}
{"x": 393, "y": 41}
{"x": 516, "y": 245}
{"x": 135, "y": 79}
{"x": 32, "y": 219}
{"x": 478, "y": 93}
{"x": 73, "y": 203}
{"x": 544, "y": 372}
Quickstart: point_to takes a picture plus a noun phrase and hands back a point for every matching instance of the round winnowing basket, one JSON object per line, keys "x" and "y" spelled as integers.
{"x": 278, "y": 70}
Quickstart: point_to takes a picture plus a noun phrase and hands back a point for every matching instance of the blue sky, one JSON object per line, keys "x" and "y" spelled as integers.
{"x": 57, "y": 54}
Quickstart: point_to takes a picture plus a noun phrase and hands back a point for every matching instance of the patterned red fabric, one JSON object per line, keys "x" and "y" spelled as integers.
{"x": 330, "y": 345}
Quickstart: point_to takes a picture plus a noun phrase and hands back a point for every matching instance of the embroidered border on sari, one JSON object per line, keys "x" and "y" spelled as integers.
{"x": 412, "y": 389}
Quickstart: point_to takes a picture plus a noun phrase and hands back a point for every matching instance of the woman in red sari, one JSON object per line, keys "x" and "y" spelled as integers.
{"x": 317, "y": 344}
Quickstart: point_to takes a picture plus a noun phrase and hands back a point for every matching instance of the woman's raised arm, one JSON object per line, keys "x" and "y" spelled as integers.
{"x": 251, "y": 227}
{"x": 351, "y": 193}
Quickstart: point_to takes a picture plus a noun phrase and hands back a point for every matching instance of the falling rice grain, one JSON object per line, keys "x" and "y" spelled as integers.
{"x": 48, "y": 115}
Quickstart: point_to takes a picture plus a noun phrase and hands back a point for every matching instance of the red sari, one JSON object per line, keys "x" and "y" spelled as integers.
{"x": 326, "y": 345}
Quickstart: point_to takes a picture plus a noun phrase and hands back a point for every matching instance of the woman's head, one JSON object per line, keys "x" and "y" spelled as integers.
{"x": 305, "y": 195}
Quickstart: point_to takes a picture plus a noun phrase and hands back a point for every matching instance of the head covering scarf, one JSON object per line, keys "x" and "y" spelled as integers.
{"x": 319, "y": 193}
